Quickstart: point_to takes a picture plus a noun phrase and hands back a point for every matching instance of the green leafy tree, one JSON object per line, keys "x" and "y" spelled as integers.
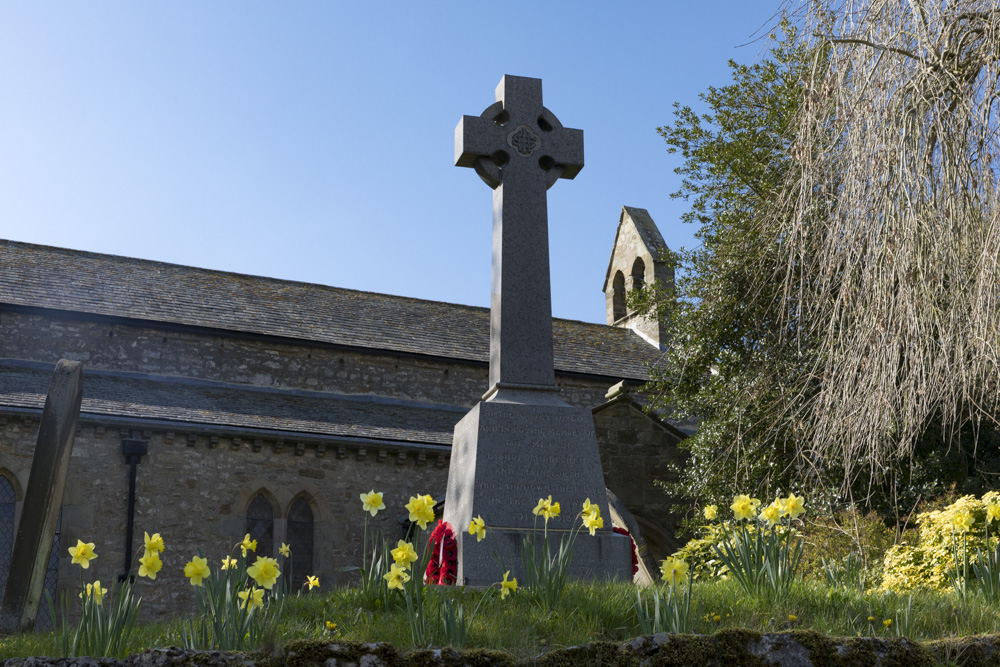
{"x": 728, "y": 364}
{"x": 837, "y": 326}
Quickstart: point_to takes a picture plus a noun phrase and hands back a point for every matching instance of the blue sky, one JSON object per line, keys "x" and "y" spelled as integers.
{"x": 314, "y": 141}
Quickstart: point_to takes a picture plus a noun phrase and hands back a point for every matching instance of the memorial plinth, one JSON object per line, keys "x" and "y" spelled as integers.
{"x": 522, "y": 442}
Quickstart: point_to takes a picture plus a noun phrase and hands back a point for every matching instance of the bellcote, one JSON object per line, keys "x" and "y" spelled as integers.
{"x": 636, "y": 261}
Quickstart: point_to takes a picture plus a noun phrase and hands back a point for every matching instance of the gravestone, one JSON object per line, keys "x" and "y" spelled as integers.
{"x": 42, "y": 499}
{"x": 522, "y": 442}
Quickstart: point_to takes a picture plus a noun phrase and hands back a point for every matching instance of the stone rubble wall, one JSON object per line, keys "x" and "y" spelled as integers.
{"x": 726, "y": 648}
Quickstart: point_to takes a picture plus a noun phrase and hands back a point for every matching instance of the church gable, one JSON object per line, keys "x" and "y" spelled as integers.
{"x": 637, "y": 259}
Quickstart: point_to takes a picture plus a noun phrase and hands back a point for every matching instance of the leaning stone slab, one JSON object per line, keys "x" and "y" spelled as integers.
{"x": 42, "y": 499}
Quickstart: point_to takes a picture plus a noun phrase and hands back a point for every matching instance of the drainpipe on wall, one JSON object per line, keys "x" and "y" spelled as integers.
{"x": 133, "y": 449}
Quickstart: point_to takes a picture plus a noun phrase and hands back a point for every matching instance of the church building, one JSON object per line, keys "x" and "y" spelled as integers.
{"x": 235, "y": 404}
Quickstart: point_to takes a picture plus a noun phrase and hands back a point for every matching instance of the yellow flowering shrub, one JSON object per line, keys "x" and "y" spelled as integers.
{"x": 927, "y": 564}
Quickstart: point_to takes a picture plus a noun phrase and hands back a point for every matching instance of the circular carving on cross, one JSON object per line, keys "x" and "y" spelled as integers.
{"x": 524, "y": 141}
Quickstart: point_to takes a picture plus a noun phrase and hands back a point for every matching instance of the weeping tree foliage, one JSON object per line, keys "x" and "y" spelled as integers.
{"x": 887, "y": 231}
{"x": 840, "y": 322}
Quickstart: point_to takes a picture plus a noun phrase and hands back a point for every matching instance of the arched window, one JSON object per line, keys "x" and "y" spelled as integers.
{"x": 260, "y": 524}
{"x": 7, "y": 502}
{"x": 618, "y": 297}
{"x": 638, "y": 273}
{"x": 300, "y": 539}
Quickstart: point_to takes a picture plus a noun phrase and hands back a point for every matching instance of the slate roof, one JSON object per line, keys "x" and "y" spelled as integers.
{"x": 130, "y": 395}
{"x": 72, "y": 280}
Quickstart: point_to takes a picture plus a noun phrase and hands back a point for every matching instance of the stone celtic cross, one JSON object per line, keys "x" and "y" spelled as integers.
{"x": 520, "y": 149}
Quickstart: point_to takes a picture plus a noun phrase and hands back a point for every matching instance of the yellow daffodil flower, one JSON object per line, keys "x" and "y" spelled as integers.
{"x": 404, "y": 554}
{"x": 251, "y": 598}
{"x": 331, "y": 626}
{"x": 264, "y": 571}
{"x": 992, "y": 512}
{"x": 95, "y": 591}
{"x": 794, "y": 506}
{"x": 421, "y": 510}
{"x": 371, "y": 502}
{"x": 507, "y": 586}
{"x": 711, "y": 512}
{"x": 793, "y": 618}
{"x": 963, "y": 521}
{"x": 149, "y": 565}
{"x": 771, "y": 514}
{"x": 887, "y": 622}
{"x": 82, "y": 553}
{"x": 743, "y": 507}
{"x": 477, "y": 527}
{"x": 674, "y": 571}
{"x": 546, "y": 509}
{"x": 396, "y": 576}
{"x": 589, "y": 508}
{"x": 248, "y": 545}
{"x": 154, "y": 544}
{"x": 196, "y": 570}
{"x": 312, "y": 582}
{"x": 593, "y": 522}
{"x": 228, "y": 562}
{"x": 285, "y": 550}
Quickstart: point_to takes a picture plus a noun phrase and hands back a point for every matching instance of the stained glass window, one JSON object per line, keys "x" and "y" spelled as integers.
{"x": 300, "y": 538}
{"x": 260, "y": 525}
{"x": 7, "y": 501}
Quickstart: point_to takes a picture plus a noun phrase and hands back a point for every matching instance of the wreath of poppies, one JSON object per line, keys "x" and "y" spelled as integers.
{"x": 635, "y": 551}
{"x": 443, "y": 566}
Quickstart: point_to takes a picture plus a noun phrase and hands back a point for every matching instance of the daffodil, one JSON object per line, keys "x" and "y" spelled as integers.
{"x": 396, "y": 576}
{"x": 404, "y": 554}
{"x": 95, "y": 592}
{"x": 82, "y": 553}
{"x": 589, "y": 508}
{"x": 196, "y": 570}
{"x": 285, "y": 550}
{"x": 743, "y": 507}
{"x": 963, "y": 521}
{"x": 228, "y": 562}
{"x": 546, "y": 509}
{"x": 371, "y": 502}
{"x": 771, "y": 513}
{"x": 154, "y": 544}
{"x": 331, "y": 626}
{"x": 248, "y": 545}
{"x": 674, "y": 571}
{"x": 793, "y": 618}
{"x": 592, "y": 522}
{"x": 477, "y": 527}
{"x": 887, "y": 622}
{"x": 992, "y": 512}
{"x": 421, "y": 510}
{"x": 312, "y": 582}
{"x": 264, "y": 571}
{"x": 711, "y": 512}
{"x": 507, "y": 586}
{"x": 149, "y": 565}
{"x": 794, "y": 506}
{"x": 251, "y": 598}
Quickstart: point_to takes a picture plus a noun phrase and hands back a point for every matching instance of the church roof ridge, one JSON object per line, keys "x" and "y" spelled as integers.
{"x": 56, "y": 278}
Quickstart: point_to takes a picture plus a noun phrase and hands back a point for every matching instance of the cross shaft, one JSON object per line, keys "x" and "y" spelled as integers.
{"x": 519, "y": 148}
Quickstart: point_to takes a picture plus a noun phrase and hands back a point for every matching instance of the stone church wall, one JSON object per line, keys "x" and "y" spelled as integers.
{"x": 194, "y": 492}
{"x": 222, "y": 357}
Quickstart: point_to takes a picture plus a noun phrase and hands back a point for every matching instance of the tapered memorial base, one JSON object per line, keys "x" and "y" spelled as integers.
{"x": 505, "y": 456}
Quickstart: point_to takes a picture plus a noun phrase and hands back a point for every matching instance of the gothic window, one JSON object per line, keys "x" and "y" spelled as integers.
{"x": 7, "y": 500}
{"x": 638, "y": 273}
{"x": 260, "y": 524}
{"x": 618, "y": 296}
{"x": 300, "y": 539}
